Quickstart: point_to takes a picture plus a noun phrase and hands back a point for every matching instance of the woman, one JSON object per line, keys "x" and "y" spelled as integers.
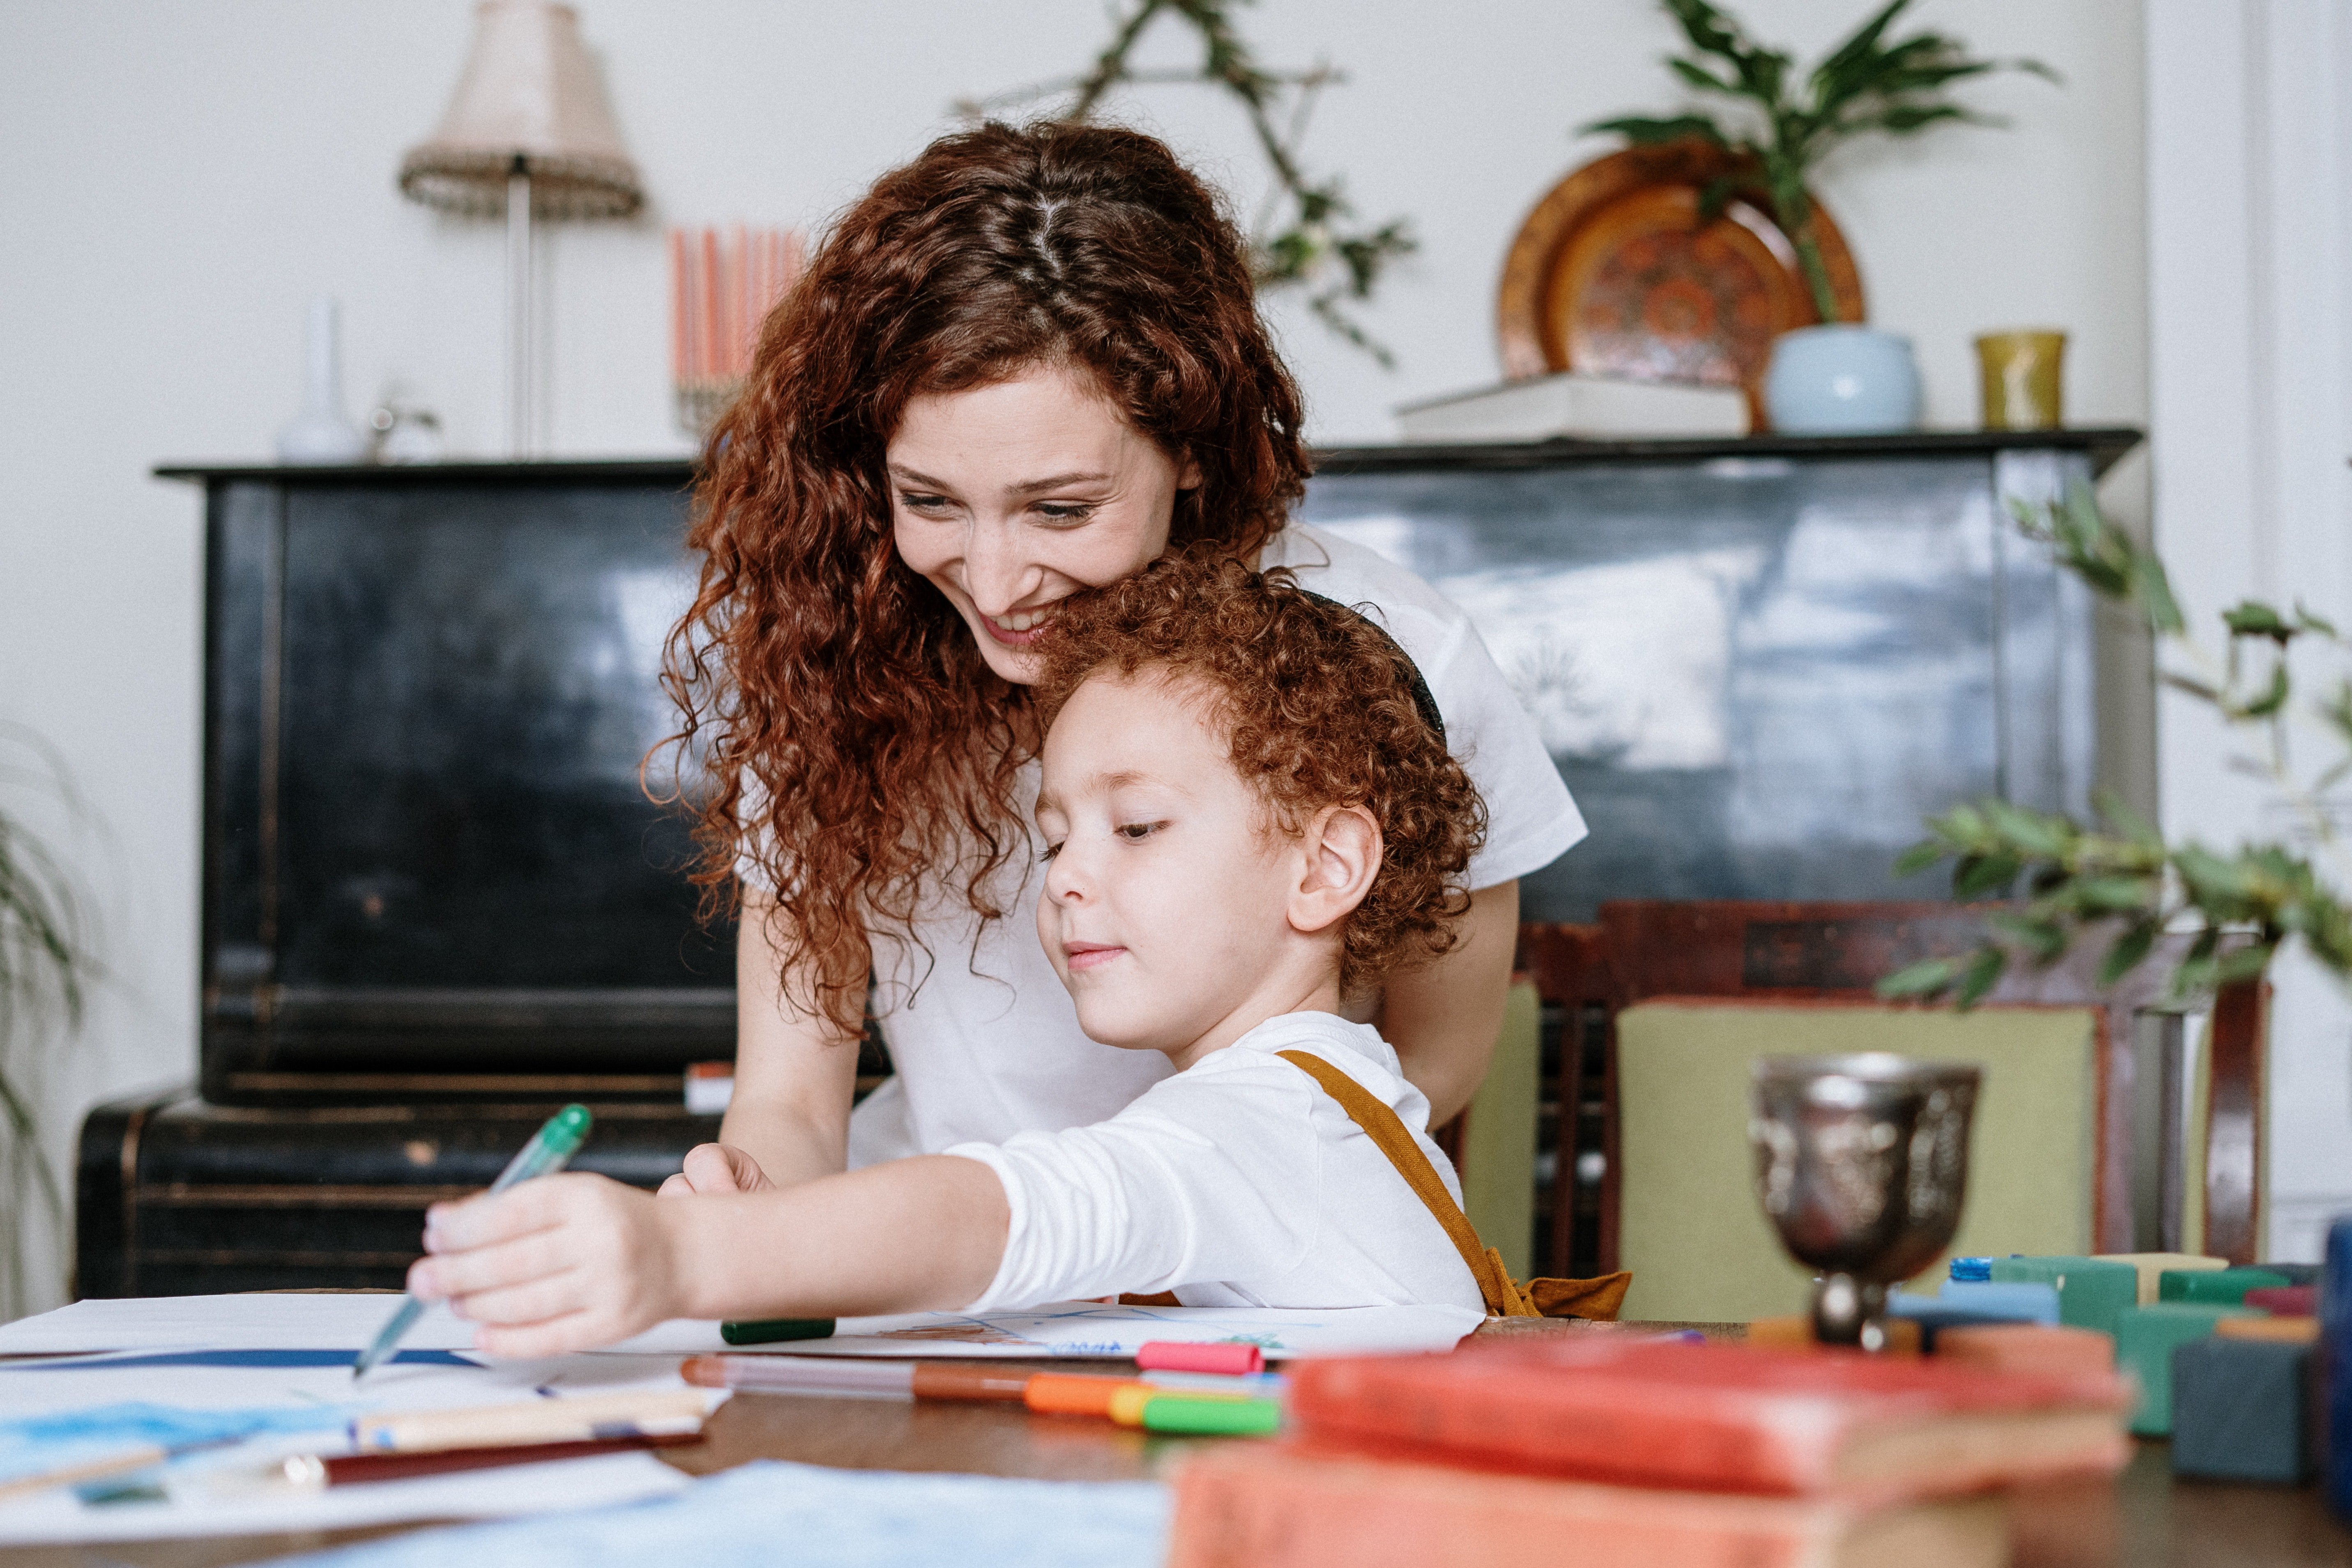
{"x": 1026, "y": 364}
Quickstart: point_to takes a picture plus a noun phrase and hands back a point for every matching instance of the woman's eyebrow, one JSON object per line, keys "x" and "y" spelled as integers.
{"x": 898, "y": 471}
{"x": 1055, "y": 482}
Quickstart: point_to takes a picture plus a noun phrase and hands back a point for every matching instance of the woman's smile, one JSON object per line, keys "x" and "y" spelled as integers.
{"x": 1019, "y": 628}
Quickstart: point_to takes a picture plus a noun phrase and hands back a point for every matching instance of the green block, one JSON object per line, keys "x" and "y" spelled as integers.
{"x": 2092, "y": 1291}
{"x": 2215, "y": 1286}
{"x": 2145, "y": 1338}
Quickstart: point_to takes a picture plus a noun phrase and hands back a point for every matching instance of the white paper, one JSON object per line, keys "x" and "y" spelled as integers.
{"x": 1091, "y": 1328}
{"x": 590, "y": 1482}
{"x": 256, "y": 1321}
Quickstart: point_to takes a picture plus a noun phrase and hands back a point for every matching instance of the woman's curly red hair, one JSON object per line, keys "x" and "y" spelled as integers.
{"x": 858, "y": 751}
{"x": 1318, "y": 707}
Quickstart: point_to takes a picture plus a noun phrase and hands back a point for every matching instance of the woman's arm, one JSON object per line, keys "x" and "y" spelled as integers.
{"x": 794, "y": 1076}
{"x": 1443, "y": 1017}
{"x": 568, "y": 1263}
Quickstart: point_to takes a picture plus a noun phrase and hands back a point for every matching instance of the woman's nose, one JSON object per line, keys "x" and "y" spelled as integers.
{"x": 998, "y": 572}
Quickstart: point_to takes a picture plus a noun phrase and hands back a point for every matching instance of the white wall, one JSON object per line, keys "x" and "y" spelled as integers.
{"x": 178, "y": 179}
{"x": 2251, "y": 306}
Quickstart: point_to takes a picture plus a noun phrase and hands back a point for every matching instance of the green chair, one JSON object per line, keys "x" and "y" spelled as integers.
{"x": 1690, "y": 1227}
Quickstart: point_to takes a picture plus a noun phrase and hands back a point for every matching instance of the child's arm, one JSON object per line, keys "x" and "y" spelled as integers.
{"x": 571, "y": 1262}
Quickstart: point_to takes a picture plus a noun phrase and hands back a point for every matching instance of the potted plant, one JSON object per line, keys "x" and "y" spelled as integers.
{"x": 46, "y": 971}
{"x": 1838, "y": 377}
{"x": 2119, "y": 874}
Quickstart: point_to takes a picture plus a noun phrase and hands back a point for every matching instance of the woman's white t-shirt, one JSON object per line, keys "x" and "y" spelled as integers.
{"x": 1237, "y": 1183}
{"x": 986, "y": 1043}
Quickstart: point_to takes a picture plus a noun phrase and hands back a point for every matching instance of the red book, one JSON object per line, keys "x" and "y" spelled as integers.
{"x": 1722, "y": 1417}
{"x": 1284, "y": 1506}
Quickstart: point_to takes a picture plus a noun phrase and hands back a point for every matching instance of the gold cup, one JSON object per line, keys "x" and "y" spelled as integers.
{"x": 2022, "y": 381}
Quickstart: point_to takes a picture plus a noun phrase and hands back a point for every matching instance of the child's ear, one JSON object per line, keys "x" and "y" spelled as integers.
{"x": 1339, "y": 854}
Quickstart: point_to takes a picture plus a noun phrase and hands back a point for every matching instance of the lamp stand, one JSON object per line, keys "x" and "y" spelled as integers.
{"x": 520, "y": 330}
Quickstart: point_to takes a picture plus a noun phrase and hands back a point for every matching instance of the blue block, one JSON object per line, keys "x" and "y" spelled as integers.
{"x": 2238, "y": 1410}
{"x": 2014, "y": 1301}
{"x": 2336, "y": 1368}
{"x": 1972, "y": 1270}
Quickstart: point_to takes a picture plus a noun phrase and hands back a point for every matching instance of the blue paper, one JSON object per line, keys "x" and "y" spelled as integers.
{"x": 34, "y": 1444}
{"x": 780, "y": 1515}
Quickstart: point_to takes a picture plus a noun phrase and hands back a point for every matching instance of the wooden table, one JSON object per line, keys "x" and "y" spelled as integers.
{"x": 2155, "y": 1521}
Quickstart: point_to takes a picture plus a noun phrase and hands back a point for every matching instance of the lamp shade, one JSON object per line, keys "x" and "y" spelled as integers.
{"x": 529, "y": 92}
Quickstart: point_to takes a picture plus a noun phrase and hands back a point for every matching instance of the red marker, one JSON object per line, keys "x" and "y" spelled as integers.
{"x": 1237, "y": 1358}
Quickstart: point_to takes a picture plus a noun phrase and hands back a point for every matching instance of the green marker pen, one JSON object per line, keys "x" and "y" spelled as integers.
{"x": 550, "y": 1149}
{"x": 1211, "y": 1416}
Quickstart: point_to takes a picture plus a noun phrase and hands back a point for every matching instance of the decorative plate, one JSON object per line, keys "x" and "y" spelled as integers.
{"x": 1612, "y": 274}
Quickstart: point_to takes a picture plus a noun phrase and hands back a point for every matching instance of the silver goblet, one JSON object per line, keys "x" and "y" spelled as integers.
{"x": 1862, "y": 1163}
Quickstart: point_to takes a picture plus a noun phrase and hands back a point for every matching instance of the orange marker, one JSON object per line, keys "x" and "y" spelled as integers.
{"x": 1075, "y": 1394}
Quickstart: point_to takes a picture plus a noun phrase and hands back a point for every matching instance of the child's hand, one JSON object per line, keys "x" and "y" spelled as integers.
{"x": 717, "y": 1168}
{"x": 563, "y": 1263}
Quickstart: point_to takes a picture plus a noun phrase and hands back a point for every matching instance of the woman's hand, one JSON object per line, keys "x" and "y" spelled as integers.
{"x": 717, "y": 1168}
{"x": 564, "y": 1263}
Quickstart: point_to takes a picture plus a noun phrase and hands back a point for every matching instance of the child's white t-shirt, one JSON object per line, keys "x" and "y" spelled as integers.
{"x": 988, "y": 1043}
{"x": 1237, "y": 1183}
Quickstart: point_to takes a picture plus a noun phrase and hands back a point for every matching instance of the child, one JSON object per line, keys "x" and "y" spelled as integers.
{"x": 1249, "y": 812}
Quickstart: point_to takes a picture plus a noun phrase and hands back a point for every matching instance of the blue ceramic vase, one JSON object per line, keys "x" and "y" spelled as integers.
{"x": 1842, "y": 380}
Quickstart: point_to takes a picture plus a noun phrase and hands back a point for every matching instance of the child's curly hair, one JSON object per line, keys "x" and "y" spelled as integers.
{"x": 1319, "y": 705}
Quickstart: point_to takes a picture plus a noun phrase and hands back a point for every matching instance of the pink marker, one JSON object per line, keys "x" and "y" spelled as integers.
{"x": 1169, "y": 1355}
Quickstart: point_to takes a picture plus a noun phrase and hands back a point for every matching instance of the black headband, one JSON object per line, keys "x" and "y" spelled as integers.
{"x": 1422, "y": 700}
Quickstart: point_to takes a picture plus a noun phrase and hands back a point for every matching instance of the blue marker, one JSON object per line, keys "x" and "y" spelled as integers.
{"x": 548, "y": 1151}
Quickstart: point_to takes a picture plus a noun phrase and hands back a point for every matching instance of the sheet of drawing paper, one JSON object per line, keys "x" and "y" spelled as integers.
{"x": 1093, "y": 1329}
{"x": 568, "y": 1484}
{"x": 270, "y": 1403}
{"x": 815, "y": 1518}
{"x": 318, "y": 1380}
{"x": 227, "y": 1322}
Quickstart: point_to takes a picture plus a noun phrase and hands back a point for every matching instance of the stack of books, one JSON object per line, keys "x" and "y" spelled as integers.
{"x": 1617, "y": 1452}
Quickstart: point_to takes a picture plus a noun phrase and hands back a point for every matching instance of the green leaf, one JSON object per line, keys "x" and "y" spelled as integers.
{"x": 2152, "y": 588}
{"x": 2130, "y": 950}
{"x": 2044, "y": 939}
{"x": 1649, "y": 132}
{"x": 1977, "y": 874}
{"x": 2033, "y": 832}
{"x": 2113, "y": 895}
{"x": 2273, "y": 697}
{"x": 2251, "y": 618}
{"x": 1929, "y": 977}
{"x": 1984, "y": 972}
{"x": 1920, "y": 856}
{"x": 2304, "y": 621}
{"x": 1699, "y": 77}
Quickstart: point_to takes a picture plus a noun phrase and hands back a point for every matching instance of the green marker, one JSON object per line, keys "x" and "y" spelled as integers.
{"x": 1218, "y": 1417}
{"x": 550, "y": 1149}
{"x": 773, "y": 1331}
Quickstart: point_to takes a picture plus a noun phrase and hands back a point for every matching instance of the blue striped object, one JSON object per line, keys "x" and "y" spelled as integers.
{"x": 1972, "y": 1270}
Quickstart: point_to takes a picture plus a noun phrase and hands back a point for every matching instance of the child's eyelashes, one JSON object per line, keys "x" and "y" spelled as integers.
{"x": 1065, "y": 512}
{"x": 1131, "y": 832}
